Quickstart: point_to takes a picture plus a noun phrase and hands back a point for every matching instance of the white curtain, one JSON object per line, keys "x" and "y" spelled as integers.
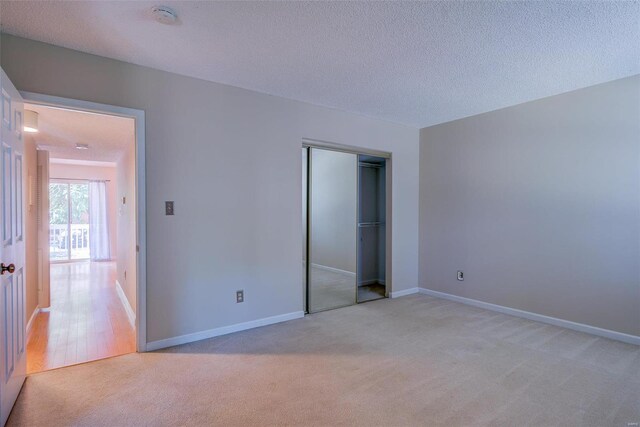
{"x": 98, "y": 222}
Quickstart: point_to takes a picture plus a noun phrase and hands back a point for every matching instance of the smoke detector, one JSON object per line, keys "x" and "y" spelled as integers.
{"x": 164, "y": 14}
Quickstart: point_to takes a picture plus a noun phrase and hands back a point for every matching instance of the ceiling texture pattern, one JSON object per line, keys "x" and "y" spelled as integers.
{"x": 416, "y": 63}
{"x": 107, "y": 137}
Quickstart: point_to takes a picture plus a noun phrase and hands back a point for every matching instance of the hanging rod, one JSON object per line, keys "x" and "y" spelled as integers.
{"x": 81, "y": 179}
{"x": 370, "y": 165}
{"x": 370, "y": 224}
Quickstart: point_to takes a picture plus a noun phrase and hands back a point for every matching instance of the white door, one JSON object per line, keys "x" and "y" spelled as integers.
{"x": 12, "y": 251}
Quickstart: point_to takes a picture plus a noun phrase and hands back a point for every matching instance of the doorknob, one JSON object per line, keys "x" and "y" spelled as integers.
{"x": 4, "y": 268}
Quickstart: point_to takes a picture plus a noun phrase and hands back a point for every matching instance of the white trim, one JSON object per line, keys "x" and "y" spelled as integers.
{"x": 334, "y": 270}
{"x": 141, "y": 237}
{"x": 403, "y": 292}
{"x": 32, "y": 319}
{"x": 202, "y": 335}
{"x": 77, "y": 104}
{"x": 351, "y": 149}
{"x": 580, "y": 327}
{"x": 125, "y": 303}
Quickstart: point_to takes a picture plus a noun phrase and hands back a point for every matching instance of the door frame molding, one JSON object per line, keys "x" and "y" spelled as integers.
{"x": 141, "y": 223}
{"x": 351, "y": 149}
{"x": 326, "y": 145}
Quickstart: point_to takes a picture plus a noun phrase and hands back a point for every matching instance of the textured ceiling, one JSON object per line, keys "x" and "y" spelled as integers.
{"x": 59, "y": 130}
{"x": 418, "y": 63}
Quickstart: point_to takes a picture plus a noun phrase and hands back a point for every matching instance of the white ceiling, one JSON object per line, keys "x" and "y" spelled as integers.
{"x": 60, "y": 130}
{"x": 418, "y": 63}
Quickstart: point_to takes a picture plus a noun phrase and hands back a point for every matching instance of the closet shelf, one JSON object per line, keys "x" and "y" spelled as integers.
{"x": 370, "y": 224}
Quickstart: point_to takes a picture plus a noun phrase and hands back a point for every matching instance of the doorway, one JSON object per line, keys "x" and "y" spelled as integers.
{"x": 345, "y": 238}
{"x": 81, "y": 227}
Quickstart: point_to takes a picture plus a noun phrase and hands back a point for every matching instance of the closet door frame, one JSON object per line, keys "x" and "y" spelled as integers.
{"x": 325, "y": 145}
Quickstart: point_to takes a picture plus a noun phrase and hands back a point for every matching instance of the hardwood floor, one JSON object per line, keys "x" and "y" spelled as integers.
{"x": 86, "y": 322}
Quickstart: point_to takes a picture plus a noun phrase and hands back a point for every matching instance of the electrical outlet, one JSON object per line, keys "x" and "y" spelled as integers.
{"x": 460, "y": 275}
{"x": 240, "y": 296}
{"x": 168, "y": 208}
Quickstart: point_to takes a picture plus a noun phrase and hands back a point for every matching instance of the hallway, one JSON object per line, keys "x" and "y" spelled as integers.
{"x": 86, "y": 322}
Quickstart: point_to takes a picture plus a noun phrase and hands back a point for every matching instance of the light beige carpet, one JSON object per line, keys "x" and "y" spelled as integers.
{"x": 409, "y": 361}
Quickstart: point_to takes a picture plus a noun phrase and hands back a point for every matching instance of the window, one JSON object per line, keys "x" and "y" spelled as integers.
{"x": 68, "y": 221}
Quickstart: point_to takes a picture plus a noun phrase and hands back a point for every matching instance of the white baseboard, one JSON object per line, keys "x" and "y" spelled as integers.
{"x": 202, "y": 335}
{"x": 335, "y": 270}
{"x": 32, "y": 319}
{"x": 403, "y": 292}
{"x": 580, "y": 327}
{"x": 127, "y": 306}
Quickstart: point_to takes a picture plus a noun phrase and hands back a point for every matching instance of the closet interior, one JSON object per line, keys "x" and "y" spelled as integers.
{"x": 371, "y": 227}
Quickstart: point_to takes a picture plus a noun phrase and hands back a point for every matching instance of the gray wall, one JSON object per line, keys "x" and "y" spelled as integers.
{"x": 230, "y": 159}
{"x": 31, "y": 226}
{"x": 125, "y": 251}
{"x": 539, "y": 204}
